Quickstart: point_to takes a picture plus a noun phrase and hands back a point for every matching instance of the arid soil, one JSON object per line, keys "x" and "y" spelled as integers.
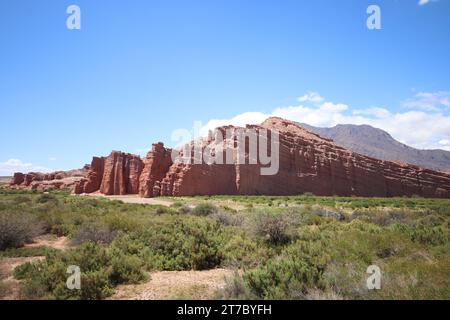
{"x": 132, "y": 199}
{"x": 7, "y": 265}
{"x": 198, "y": 285}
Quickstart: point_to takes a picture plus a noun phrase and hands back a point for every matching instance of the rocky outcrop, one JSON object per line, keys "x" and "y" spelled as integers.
{"x": 47, "y": 181}
{"x": 121, "y": 174}
{"x": 306, "y": 163}
{"x": 17, "y": 179}
{"x": 94, "y": 177}
{"x": 116, "y": 174}
{"x": 156, "y": 165}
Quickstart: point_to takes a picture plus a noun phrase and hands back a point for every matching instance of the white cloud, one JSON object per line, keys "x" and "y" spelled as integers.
{"x": 424, "y": 2}
{"x": 240, "y": 120}
{"x": 417, "y": 128}
{"x": 374, "y": 112}
{"x": 445, "y": 144}
{"x": 429, "y": 101}
{"x": 52, "y": 159}
{"x": 311, "y": 97}
{"x": 10, "y": 166}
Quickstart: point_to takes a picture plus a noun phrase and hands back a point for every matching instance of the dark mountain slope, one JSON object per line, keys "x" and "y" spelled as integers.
{"x": 376, "y": 143}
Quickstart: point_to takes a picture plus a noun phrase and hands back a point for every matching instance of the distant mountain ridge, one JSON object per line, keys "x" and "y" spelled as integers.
{"x": 376, "y": 143}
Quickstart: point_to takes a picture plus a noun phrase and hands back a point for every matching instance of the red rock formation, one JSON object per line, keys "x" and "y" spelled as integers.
{"x": 156, "y": 165}
{"x": 308, "y": 163}
{"x": 48, "y": 181}
{"x": 18, "y": 178}
{"x": 121, "y": 174}
{"x": 94, "y": 177}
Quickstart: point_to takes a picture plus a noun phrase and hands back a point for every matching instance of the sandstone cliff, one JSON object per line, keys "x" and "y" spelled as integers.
{"x": 117, "y": 174}
{"x": 307, "y": 163}
{"x": 156, "y": 165}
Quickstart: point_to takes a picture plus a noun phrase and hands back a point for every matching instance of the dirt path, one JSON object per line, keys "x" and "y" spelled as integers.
{"x": 50, "y": 241}
{"x": 199, "y": 285}
{"x": 10, "y": 287}
{"x": 133, "y": 199}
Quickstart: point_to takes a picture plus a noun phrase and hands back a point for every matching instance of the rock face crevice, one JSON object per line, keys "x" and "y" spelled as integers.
{"x": 307, "y": 163}
{"x": 156, "y": 166}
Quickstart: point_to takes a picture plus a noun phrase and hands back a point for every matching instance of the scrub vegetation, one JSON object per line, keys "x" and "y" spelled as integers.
{"x": 300, "y": 247}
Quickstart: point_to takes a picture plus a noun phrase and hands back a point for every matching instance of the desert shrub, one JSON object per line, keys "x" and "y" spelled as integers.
{"x": 126, "y": 268}
{"x": 26, "y": 252}
{"x": 21, "y": 271}
{"x": 184, "y": 210}
{"x": 54, "y": 221}
{"x": 382, "y": 218}
{"x": 204, "y": 209}
{"x": 227, "y": 219}
{"x": 300, "y": 267}
{"x": 21, "y": 199}
{"x": 176, "y": 243}
{"x": 46, "y": 198}
{"x": 431, "y": 220}
{"x": 424, "y": 235}
{"x": 164, "y": 210}
{"x": 177, "y": 204}
{"x": 17, "y": 229}
{"x": 273, "y": 227}
{"x": 241, "y": 251}
{"x": 101, "y": 269}
{"x": 235, "y": 289}
{"x": 327, "y": 213}
{"x": 94, "y": 232}
{"x": 117, "y": 222}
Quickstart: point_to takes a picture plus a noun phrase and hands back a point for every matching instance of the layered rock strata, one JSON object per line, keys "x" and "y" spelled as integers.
{"x": 306, "y": 163}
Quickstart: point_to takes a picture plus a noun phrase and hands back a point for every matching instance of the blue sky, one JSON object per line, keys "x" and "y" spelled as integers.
{"x": 137, "y": 70}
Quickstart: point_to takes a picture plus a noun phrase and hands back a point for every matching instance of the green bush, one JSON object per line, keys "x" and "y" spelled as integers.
{"x": 300, "y": 268}
{"x": 227, "y": 219}
{"x": 26, "y": 252}
{"x": 425, "y": 235}
{"x": 94, "y": 232}
{"x": 176, "y": 243}
{"x": 117, "y": 222}
{"x": 126, "y": 268}
{"x": 101, "y": 269}
{"x": 46, "y": 198}
{"x": 235, "y": 289}
{"x": 184, "y": 210}
{"x": 17, "y": 229}
{"x": 19, "y": 199}
{"x": 273, "y": 227}
{"x": 177, "y": 204}
{"x": 204, "y": 209}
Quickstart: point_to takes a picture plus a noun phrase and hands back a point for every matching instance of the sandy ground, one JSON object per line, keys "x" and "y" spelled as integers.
{"x": 198, "y": 285}
{"x": 49, "y": 241}
{"x": 7, "y": 265}
{"x": 12, "y": 286}
{"x": 133, "y": 199}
